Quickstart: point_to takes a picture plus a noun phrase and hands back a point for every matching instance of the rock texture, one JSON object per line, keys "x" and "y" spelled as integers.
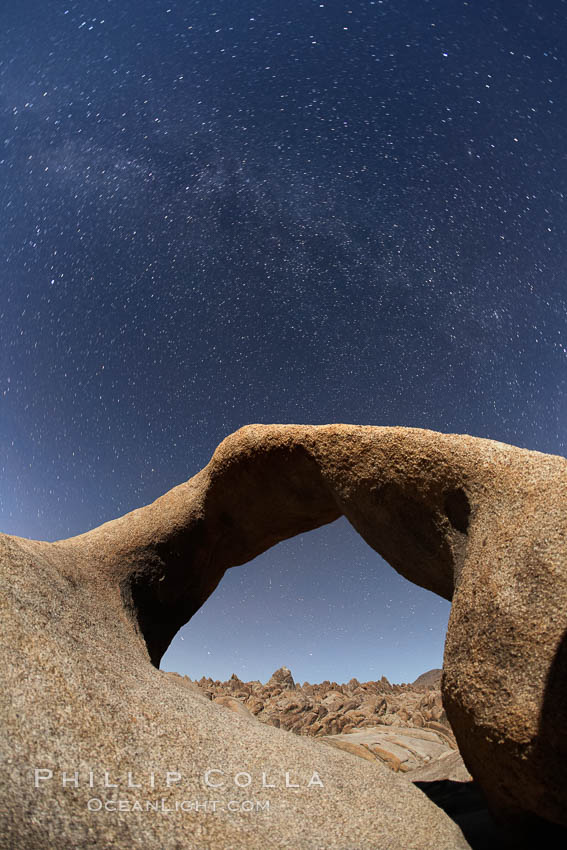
{"x": 82, "y": 703}
{"x": 430, "y": 679}
{"x": 403, "y": 749}
{"x": 403, "y": 726}
{"x": 329, "y": 708}
{"x": 476, "y": 521}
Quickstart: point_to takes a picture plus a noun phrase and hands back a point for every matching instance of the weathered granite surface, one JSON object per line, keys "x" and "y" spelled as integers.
{"x": 80, "y": 695}
{"x": 476, "y": 521}
{"x": 401, "y": 748}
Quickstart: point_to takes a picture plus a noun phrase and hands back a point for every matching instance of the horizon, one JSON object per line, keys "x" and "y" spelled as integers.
{"x": 298, "y": 682}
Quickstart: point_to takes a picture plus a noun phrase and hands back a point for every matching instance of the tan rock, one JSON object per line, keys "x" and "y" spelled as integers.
{"x": 333, "y": 701}
{"x": 282, "y": 678}
{"x": 449, "y": 765}
{"x": 234, "y": 705}
{"x": 431, "y": 679}
{"x": 358, "y": 750}
{"x": 476, "y": 521}
{"x": 404, "y": 749}
{"x": 254, "y": 704}
{"x": 389, "y": 759}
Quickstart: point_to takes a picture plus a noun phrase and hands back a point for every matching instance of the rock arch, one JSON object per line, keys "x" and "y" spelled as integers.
{"x": 265, "y": 484}
{"x": 478, "y": 522}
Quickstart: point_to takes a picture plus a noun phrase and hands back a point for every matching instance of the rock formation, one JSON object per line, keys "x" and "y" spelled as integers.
{"x": 329, "y": 708}
{"x": 282, "y": 679}
{"x": 403, "y": 749}
{"x": 476, "y": 521}
{"x": 430, "y": 679}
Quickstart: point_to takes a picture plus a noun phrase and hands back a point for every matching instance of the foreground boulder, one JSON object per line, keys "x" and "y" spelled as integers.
{"x": 99, "y": 749}
{"x": 476, "y": 521}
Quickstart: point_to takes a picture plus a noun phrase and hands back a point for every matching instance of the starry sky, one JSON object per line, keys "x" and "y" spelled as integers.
{"x": 219, "y": 212}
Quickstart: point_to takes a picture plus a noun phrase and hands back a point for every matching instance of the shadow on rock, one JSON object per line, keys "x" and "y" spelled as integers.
{"x": 465, "y": 804}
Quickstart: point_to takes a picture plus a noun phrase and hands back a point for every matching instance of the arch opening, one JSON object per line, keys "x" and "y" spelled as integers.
{"x": 322, "y": 603}
{"x": 266, "y": 484}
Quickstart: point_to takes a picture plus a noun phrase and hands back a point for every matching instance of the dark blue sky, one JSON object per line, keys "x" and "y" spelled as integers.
{"x": 216, "y": 213}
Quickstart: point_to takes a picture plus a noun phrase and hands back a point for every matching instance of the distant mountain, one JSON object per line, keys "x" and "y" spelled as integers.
{"x": 431, "y": 679}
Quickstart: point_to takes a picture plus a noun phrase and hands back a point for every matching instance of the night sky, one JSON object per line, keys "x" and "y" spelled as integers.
{"x": 217, "y": 212}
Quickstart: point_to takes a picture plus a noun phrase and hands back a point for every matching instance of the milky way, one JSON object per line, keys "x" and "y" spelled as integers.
{"x": 222, "y": 213}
